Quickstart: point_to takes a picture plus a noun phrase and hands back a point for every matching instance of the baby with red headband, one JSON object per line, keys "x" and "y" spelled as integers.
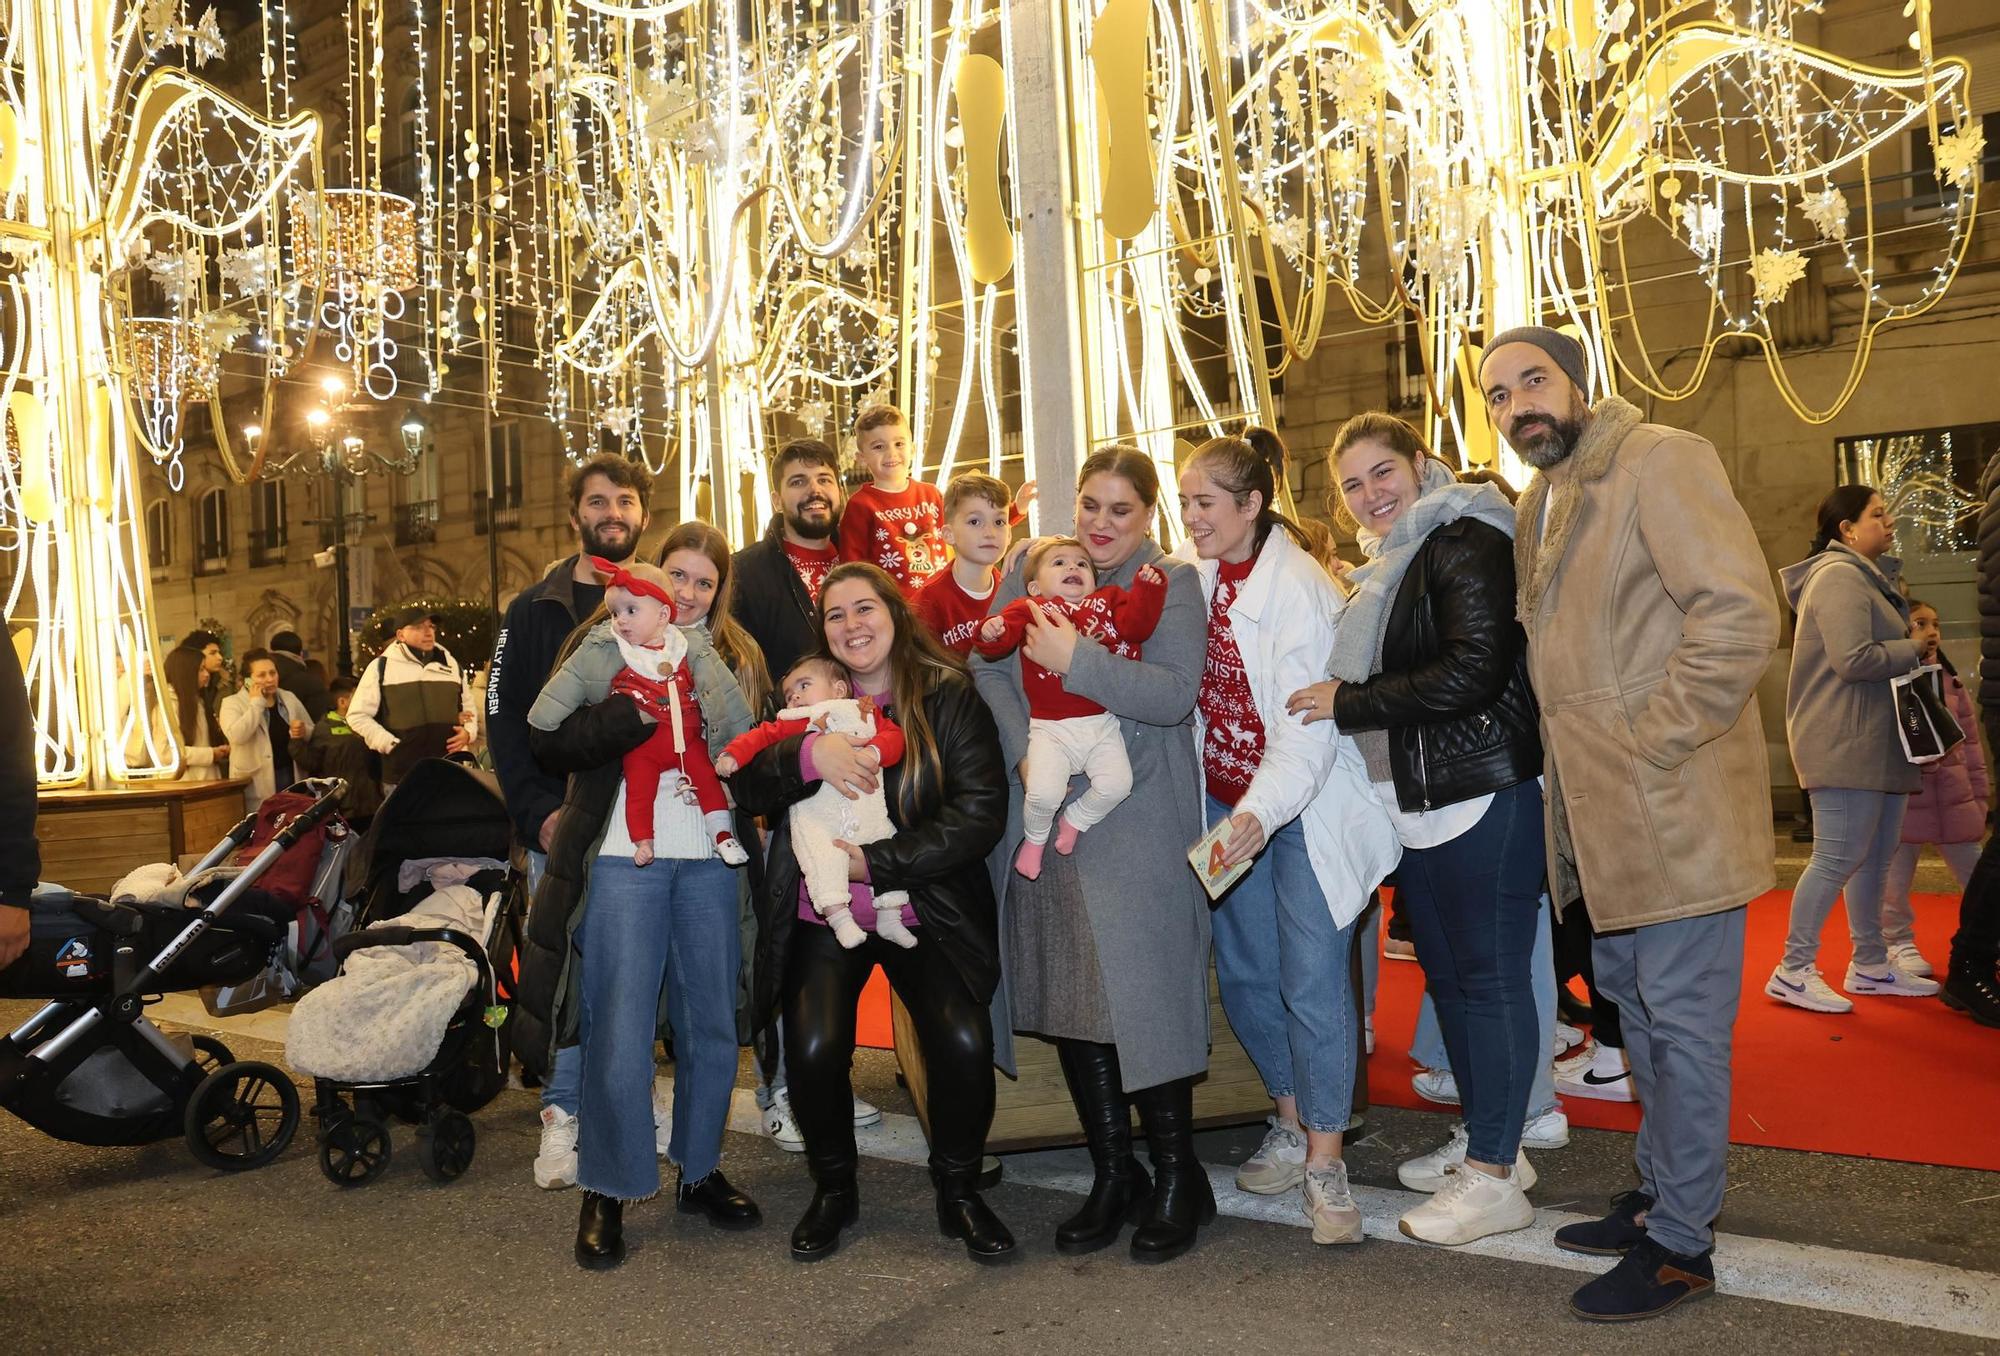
{"x": 656, "y": 676}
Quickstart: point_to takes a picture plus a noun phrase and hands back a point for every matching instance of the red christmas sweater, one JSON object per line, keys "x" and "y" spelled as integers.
{"x": 1232, "y": 738}
{"x": 1119, "y": 619}
{"x": 812, "y": 565}
{"x": 952, "y": 613}
{"x": 900, "y": 530}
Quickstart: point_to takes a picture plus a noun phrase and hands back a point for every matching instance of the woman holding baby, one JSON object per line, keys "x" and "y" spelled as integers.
{"x": 946, "y": 798}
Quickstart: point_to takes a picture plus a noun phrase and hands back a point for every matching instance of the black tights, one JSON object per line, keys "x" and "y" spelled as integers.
{"x": 1572, "y": 952}
{"x": 823, "y": 982}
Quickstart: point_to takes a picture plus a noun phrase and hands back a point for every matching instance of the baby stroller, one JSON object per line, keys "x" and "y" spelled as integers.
{"x": 89, "y": 1068}
{"x": 443, "y": 814}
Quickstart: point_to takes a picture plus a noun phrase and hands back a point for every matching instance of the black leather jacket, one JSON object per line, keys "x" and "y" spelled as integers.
{"x": 1453, "y": 693}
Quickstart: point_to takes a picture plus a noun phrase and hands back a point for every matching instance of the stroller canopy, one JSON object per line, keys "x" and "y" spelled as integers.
{"x": 442, "y": 808}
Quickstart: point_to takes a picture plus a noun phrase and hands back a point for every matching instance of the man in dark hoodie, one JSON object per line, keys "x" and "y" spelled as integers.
{"x": 298, "y": 677}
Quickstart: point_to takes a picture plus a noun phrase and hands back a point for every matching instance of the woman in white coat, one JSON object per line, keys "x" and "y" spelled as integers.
{"x": 260, "y": 720}
{"x": 1301, "y": 812}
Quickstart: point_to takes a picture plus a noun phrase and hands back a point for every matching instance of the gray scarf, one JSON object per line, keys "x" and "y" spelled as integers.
{"x": 1357, "y": 645}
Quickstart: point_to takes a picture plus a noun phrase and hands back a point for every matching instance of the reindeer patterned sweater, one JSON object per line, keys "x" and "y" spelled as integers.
{"x": 1118, "y": 619}
{"x": 1232, "y": 742}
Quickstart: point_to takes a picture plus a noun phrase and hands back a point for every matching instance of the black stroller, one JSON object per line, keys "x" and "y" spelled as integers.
{"x": 443, "y": 809}
{"x": 89, "y": 1067}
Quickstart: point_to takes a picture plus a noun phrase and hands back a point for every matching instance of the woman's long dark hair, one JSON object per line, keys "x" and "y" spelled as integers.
{"x": 738, "y": 648}
{"x": 1845, "y": 504}
{"x": 917, "y": 664}
{"x": 1251, "y": 464}
{"x": 183, "y": 665}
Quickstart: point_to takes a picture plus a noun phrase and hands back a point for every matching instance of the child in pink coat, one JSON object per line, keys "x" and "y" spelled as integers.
{"x": 1948, "y": 810}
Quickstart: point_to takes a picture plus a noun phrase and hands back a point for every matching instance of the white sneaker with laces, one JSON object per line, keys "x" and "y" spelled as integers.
{"x": 1430, "y": 1172}
{"x": 1436, "y": 1085}
{"x": 663, "y": 1119}
{"x": 1905, "y": 957}
{"x": 1806, "y": 989}
{"x": 1279, "y": 1163}
{"x": 1470, "y": 1205}
{"x": 1550, "y": 1130}
{"x": 1567, "y": 1038}
{"x": 1577, "y": 1062}
{"x": 866, "y": 1113}
{"x": 782, "y": 1127}
{"x": 555, "y": 1161}
{"x": 1606, "y": 1076}
{"x": 1890, "y": 981}
{"x": 1330, "y": 1205}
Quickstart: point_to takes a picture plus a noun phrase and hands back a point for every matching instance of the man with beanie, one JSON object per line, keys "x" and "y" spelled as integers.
{"x": 20, "y": 854}
{"x": 412, "y": 702}
{"x": 1650, "y": 619}
{"x": 297, "y": 677}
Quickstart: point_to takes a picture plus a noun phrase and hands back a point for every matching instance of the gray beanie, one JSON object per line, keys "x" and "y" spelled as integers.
{"x": 1567, "y": 352}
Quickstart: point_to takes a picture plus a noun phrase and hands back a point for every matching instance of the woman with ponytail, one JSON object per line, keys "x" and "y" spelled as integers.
{"x": 1429, "y": 674}
{"x": 1300, "y": 813}
{"x": 1851, "y": 637}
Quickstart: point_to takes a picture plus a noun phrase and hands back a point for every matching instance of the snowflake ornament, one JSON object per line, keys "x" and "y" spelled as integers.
{"x": 1773, "y": 272}
{"x": 619, "y": 420}
{"x": 204, "y": 41}
{"x": 248, "y": 271}
{"x": 221, "y": 329}
{"x": 1958, "y": 154}
{"x": 1704, "y": 221}
{"x": 1827, "y": 211}
{"x": 177, "y": 272}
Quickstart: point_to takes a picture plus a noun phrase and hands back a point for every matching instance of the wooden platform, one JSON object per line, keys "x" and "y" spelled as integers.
{"x": 91, "y": 839}
{"x": 1034, "y": 1111}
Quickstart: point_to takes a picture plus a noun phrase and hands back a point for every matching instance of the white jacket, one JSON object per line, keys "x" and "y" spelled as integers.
{"x": 398, "y": 665}
{"x": 242, "y": 718}
{"x": 1283, "y": 621}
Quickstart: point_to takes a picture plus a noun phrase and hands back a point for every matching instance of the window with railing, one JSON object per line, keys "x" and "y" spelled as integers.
{"x": 417, "y": 523}
{"x": 212, "y": 533}
{"x": 501, "y": 504}
{"x": 269, "y": 532}
{"x": 159, "y": 535}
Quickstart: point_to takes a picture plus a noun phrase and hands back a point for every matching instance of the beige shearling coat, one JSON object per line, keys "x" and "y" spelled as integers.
{"x": 1650, "y": 618}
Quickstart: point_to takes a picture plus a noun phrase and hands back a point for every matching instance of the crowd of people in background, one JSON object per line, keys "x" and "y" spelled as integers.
{"x": 1534, "y": 721}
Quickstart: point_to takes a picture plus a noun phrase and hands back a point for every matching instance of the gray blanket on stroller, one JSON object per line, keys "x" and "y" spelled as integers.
{"x": 385, "y": 1014}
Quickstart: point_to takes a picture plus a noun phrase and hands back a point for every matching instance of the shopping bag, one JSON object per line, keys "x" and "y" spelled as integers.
{"x": 1923, "y": 721}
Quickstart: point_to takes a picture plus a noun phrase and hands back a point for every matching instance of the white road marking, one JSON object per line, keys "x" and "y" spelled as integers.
{"x": 1867, "y": 1285}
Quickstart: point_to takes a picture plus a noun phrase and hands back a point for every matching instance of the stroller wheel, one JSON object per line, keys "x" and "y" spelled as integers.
{"x": 354, "y": 1150}
{"x": 444, "y": 1147}
{"x": 210, "y": 1053}
{"x": 242, "y": 1116}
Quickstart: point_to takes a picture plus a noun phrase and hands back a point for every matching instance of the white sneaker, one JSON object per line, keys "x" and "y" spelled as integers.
{"x": 1430, "y": 1172}
{"x": 1905, "y": 957}
{"x": 1279, "y": 1163}
{"x": 1330, "y": 1205}
{"x": 1606, "y": 1076}
{"x": 1436, "y": 1085}
{"x": 1470, "y": 1205}
{"x": 555, "y": 1161}
{"x": 663, "y": 1120}
{"x": 1577, "y": 1062}
{"x": 1806, "y": 989}
{"x": 1567, "y": 1038}
{"x": 782, "y": 1127}
{"x": 1550, "y": 1130}
{"x": 1891, "y": 981}
{"x": 866, "y": 1113}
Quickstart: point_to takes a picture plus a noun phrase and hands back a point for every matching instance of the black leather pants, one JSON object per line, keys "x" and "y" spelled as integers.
{"x": 823, "y": 982}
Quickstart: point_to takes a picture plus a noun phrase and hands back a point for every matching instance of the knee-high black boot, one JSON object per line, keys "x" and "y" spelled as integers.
{"x": 1182, "y": 1200}
{"x": 1120, "y": 1188}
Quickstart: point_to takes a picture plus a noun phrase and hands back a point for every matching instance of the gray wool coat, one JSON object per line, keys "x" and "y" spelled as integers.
{"x": 1148, "y": 914}
{"x": 1853, "y": 636}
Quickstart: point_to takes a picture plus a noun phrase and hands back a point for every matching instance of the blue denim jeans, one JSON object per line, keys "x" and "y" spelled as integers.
{"x": 562, "y": 1086}
{"x": 1474, "y": 903}
{"x": 673, "y": 926}
{"x": 1299, "y": 1032}
{"x": 1855, "y": 836}
{"x": 1427, "y": 1045}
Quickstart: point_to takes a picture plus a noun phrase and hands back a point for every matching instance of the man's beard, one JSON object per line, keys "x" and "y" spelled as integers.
{"x": 622, "y": 549}
{"x": 1550, "y": 443}
{"x": 806, "y": 527}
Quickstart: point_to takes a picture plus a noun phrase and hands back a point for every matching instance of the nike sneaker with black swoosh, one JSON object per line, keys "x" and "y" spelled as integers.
{"x": 1606, "y": 1077}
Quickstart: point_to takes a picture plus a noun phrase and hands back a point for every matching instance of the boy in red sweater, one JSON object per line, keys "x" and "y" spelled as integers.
{"x": 893, "y": 521}
{"x": 977, "y": 518}
{"x": 1068, "y": 734}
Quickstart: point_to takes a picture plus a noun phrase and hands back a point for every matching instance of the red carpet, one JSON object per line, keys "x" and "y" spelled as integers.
{"x": 1899, "y": 1078}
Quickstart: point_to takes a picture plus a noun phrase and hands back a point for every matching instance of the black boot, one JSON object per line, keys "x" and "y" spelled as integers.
{"x": 1182, "y": 1200}
{"x": 1971, "y": 987}
{"x": 725, "y": 1206}
{"x": 1119, "y": 1191}
{"x": 835, "y": 1205}
{"x": 600, "y": 1232}
{"x": 962, "y": 1215}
